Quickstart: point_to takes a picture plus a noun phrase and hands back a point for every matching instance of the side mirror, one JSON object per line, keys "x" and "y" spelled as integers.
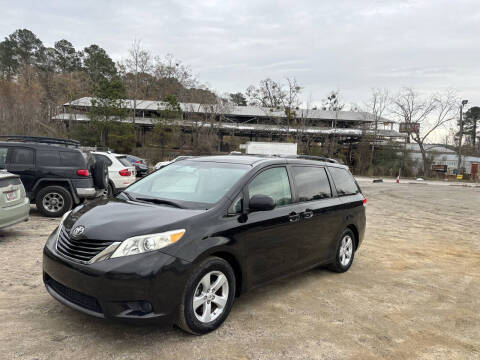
{"x": 261, "y": 203}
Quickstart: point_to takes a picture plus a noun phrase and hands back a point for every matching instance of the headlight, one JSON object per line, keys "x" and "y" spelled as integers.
{"x": 145, "y": 243}
{"x": 61, "y": 222}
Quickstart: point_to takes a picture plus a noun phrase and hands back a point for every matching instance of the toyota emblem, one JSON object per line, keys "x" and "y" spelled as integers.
{"x": 79, "y": 230}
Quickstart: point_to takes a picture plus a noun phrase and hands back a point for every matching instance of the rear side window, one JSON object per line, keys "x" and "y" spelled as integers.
{"x": 104, "y": 158}
{"x": 72, "y": 158}
{"x": 23, "y": 156}
{"x": 124, "y": 160}
{"x": 3, "y": 155}
{"x": 274, "y": 183}
{"x": 48, "y": 158}
{"x": 311, "y": 183}
{"x": 344, "y": 182}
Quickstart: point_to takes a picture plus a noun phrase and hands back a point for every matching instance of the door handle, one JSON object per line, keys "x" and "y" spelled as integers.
{"x": 293, "y": 216}
{"x": 307, "y": 214}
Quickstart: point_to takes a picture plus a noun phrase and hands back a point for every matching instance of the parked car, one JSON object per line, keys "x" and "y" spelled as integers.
{"x": 141, "y": 165}
{"x": 121, "y": 173}
{"x": 14, "y": 203}
{"x": 180, "y": 244}
{"x": 56, "y": 173}
{"x": 162, "y": 164}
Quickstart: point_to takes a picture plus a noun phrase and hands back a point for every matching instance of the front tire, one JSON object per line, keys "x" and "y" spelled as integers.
{"x": 345, "y": 252}
{"x": 53, "y": 201}
{"x": 208, "y": 297}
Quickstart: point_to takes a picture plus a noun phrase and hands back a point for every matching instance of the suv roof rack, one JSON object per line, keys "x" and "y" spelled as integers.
{"x": 41, "y": 140}
{"x": 312, "y": 157}
{"x": 306, "y": 157}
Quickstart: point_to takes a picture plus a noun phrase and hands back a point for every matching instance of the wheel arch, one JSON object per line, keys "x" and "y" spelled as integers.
{"x": 65, "y": 183}
{"x": 237, "y": 269}
{"x": 354, "y": 229}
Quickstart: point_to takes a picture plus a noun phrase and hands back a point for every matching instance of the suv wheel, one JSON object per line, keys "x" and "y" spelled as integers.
{"x": 208, "y": 297}
{"x": 345, "y": 252}
{"x": 53, "y": 201}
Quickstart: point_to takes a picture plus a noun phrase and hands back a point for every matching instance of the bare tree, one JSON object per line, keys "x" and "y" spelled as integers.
{"x": 430, "y": 113}
{"x": 376, "y": 105}
{"x": 333, "y": 103}
{"x": 269, "y": 94}
{"x": 137, "y": 64}
{"x": 291, "y": 103}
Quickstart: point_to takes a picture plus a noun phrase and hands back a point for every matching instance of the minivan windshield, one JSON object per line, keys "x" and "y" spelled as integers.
{"x": 190, "y": 184}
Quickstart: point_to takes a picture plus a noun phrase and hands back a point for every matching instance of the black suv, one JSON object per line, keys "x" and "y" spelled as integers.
{"x": 56, "y": 174}
{"x": 182, "y": 243}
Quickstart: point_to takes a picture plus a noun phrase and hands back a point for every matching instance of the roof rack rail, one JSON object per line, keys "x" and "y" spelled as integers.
{"x": 41, "y": 140}
{"x": 312, "y": 157}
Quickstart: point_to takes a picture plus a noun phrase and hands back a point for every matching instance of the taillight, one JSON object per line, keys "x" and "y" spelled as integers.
{"x": 125, "y": 172}
{"x": 83, "y": 172}
{"x": 364, "y": 201}
{"x": 138, "y": 162}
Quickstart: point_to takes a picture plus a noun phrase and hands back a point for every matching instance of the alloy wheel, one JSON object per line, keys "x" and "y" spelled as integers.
{"x": 346, "y": 250}
{"x": 53, "y": 202}
{"x": 210, "y": 297}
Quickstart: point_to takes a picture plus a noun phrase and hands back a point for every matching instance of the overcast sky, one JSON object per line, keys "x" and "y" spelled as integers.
{"x": 346, "y": 45}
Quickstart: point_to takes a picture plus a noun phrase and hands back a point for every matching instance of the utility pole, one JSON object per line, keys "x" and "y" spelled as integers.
{"x": 464, "y": 102}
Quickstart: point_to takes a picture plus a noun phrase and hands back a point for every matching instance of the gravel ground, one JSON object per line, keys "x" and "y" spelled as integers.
{"x": 413, "y": 292}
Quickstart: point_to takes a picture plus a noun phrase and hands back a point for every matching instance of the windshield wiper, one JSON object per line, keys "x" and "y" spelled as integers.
{"x": 160, "y": 201}
{"x": 130, "y": 197}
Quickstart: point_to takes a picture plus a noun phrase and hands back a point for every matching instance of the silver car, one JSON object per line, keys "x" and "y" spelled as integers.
{"x": 14, "y": 204}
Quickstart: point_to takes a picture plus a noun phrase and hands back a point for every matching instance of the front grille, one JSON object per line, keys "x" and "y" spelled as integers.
{"x": 85, "y": 301}
{"x": 82, "y": 250}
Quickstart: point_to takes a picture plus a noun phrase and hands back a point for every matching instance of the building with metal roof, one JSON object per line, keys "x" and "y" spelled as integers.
{"x": 246, "y": 121}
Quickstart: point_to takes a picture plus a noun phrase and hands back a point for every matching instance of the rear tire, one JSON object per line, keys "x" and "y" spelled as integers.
{"x": 208, "y": 297}
{"x": 53, "y": 201}
{"x": 345, "y": 252}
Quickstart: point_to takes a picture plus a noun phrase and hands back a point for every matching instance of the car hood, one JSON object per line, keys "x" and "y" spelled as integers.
{"x": 117, "y": 220}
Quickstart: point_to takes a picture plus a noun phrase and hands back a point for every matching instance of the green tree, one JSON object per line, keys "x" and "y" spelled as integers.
{"x": 28, "y": 48}
{"x": 107, "y": 106}
{"x": 97, "y": 64}
{"x": 238, "y": 99}
{"x": 164, "y": 131}
{"x": 470, "y": 123}
{"x": 67, "y": 59}
{"x": 8, "y": 61}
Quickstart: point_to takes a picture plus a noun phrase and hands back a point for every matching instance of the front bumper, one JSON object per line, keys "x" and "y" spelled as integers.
{"x": 14, "y": 214}
{"x": 139, "y": 288}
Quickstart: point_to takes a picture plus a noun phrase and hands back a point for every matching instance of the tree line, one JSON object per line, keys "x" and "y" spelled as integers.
{"x": 35, "y": 80}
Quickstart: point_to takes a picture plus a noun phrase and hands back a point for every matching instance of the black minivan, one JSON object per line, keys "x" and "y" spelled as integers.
{"x": 180, "y": 244}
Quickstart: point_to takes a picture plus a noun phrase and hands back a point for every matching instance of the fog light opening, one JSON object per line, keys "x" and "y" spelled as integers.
{"x": 138, "y": 308}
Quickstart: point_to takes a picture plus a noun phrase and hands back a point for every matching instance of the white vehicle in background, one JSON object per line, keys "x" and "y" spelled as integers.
{"x": 162, "y": 164}
{"x": 269, "y": 148}
{"x": 14, "y": 203}
{"x": 121, "y": 172}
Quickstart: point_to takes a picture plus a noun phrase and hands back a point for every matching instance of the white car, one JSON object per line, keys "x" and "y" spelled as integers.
{"x": 162, "y": 164}
{"x": 14, "y": 203}
{"x": 121, "y": 172}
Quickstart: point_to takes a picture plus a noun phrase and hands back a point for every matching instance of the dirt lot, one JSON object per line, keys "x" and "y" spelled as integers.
{"x": 413, "y": 292}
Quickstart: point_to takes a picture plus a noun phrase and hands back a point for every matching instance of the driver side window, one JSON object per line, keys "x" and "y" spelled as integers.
{"x": 274, "y": 183}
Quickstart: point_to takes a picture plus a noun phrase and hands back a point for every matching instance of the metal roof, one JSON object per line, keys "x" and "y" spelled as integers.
{"x": 247, "y": 127}
{"x": 240, "y": 111}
